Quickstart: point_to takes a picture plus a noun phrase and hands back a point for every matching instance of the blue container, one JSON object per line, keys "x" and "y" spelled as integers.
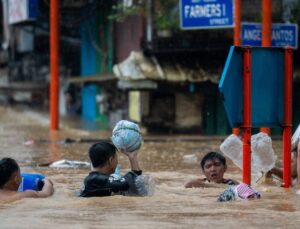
{"x": 31, "y": 181}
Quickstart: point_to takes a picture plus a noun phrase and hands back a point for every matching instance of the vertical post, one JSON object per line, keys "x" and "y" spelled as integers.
{"x": 237, "y": 37}
{"x": 149, "y": 19}
{"x": 54, "y": 63}
{"x": 246, "y": 127}
{"x": 266, "y": 35}
{"x": 266, "y": 23}
{"x": 287, "y": 125}
{"x": 237, "y": 23}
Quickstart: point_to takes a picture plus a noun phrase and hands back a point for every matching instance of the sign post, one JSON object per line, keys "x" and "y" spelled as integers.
{"x": 287, "y": 122}
{"x": 204, "y": 14}
{"x": 246, "y": 126}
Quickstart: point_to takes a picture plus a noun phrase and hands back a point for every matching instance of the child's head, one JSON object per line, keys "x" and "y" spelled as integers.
{"x": 10, "y": 175}
{"x": 103, "y": 154}
{"x": 214, "y": 166}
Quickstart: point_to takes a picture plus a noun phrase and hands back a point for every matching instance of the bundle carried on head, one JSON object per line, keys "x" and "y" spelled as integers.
{"x": 127, "y": 136}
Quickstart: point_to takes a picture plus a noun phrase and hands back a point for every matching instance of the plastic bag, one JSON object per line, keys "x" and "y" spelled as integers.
{"x": 232, "y": 148}
{"x": 144, "y": 185}
{"x": 263, "y": 157}
{"x": 262, "y": 153}
{"x": 295, "y": 138}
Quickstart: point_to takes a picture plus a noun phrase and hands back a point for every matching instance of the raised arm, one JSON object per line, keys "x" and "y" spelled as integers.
{"x": 133, "y": 159}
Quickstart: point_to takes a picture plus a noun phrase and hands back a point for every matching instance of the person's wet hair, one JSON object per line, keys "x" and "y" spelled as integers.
{"x": 8, "y": 167}
{"x": 212, "y": 156}
{"x": 100, "y": 153}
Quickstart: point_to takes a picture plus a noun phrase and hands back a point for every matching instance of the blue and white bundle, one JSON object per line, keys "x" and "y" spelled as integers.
{"x": 126, "y": 136}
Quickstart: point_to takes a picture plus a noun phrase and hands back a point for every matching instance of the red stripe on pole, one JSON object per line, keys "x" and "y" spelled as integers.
{"x": 237, "y": 23}
{"x": 247, "y": 115}
{"x": 266, "y": 23}
{"x": 54, "y": 63}
{"x": 287, "y": 125}
{"x": 266, "y": 35}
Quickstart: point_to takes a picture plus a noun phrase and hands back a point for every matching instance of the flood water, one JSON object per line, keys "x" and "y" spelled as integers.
{"x": 172, "y": 206}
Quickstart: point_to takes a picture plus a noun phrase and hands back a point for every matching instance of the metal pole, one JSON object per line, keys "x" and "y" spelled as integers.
{"x": 287, "y": 125}
{"x": 237, "y": 37}
{"x": 237, "y": 23}
{"x": 149, "y": 27}
{"x": 246, "y": 127}
{"x": 266, "y": 35}
{"x": 266, "y": 23}
{"x": 54, "y": 64}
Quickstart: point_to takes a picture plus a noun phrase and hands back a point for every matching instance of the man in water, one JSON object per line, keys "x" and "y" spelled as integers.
{"x": 10, "y": 180}
{"x": 213, "y": 166}
{"x": 100, "y": 182}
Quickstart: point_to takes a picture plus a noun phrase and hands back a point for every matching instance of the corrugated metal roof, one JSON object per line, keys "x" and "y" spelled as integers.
{"x": 139, "y": 67}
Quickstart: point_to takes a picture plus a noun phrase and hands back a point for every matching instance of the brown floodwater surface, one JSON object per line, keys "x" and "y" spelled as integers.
{"x": 171, "y": 206}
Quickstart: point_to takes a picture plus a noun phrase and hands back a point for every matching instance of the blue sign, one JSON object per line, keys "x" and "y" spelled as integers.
{"x": 267, "y": 86}
{"x": 206, "y": 14}
{"x": 282, "y": 34}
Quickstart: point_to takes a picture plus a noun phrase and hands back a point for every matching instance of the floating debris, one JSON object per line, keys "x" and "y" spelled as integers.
{"x": 70, "y": 164}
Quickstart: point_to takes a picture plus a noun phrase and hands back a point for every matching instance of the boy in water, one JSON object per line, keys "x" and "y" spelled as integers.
{"x": 213, "y": 166}
{"x": 10, "y": 180}
{"x": 104, "y": 160}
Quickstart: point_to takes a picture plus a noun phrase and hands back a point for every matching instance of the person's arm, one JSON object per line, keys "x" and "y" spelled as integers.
{"x": 47, "y": 190}
{"x": 196, "y": 183}
{"x": 200, "y": 183}
{"x": 277, "y": 172}
{"x": 133, "y": 159}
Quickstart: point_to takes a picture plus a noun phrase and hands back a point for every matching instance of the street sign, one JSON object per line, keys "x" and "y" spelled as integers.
{"x": 206, "y": 14}
{"x": 282, "y": 34}
{"x": 267, "y": 86}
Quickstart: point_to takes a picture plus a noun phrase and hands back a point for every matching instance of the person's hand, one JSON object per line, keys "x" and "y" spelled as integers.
{"x": 48, "y": 186}
{"x": 130, "y": 155}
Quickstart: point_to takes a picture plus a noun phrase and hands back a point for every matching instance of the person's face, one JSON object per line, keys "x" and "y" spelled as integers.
{"x": 113, "y": 162}
{"x": 214, "y": 170}
{"x": 16, "y": 179}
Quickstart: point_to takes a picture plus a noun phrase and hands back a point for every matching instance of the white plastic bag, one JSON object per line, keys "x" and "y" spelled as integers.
{"x": 145, "y": 185}
{"x": 232, "y": 148}
{"x": 262, "y": 153}
{"x": 263, "y": 157}
{"x": 295, "y": 138}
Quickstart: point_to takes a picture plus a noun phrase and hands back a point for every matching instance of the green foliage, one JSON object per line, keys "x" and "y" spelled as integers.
{"x": 120, "y": 13}
{"x": 165, "y": 15}
{"x": 296, "y": 13}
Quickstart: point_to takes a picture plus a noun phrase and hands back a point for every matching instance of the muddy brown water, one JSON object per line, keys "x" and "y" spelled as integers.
{"x": 172, "y": 206}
